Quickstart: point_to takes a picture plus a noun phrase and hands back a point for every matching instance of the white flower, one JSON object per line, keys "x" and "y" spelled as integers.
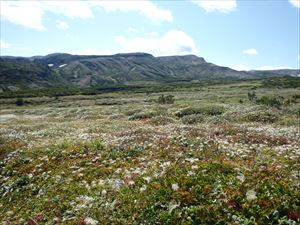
{"x": 143, "y": 188}
{"x": 101, "y": 182}
{"x": 241, "y": 177}
{"x": 103, "y": 192}
{"x": 93, "y": 184}
{"x": 173, "y": 205}
{"x": 87, "y": 186}
{"x": 56, "y": 219}
{"x": 147, "y": 179}
{"x": 191, "y": 160}
{"x": 194, "y": 167}
{"x": 190, "y": 173}
{"x": 165, "y": 164}
{"x": 117, "y": 184}
{"x": 119, "y": 170}
{"x": 131, "y": 183}
{"x": 114, "y": 204}
{"x": 90, "y": 221}
{"x": 251, "y": 195}
{"x": 85, "y": 199}
{"x": 175, "y": 187}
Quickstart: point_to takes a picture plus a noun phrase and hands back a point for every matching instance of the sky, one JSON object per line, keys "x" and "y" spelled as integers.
{"x": 241, "y": 34}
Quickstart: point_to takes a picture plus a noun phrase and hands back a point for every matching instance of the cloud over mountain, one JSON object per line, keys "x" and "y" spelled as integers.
{"x": 174, "y": 42}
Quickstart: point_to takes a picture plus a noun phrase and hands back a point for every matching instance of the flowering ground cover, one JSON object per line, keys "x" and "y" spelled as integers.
{"x": 211, "y": 157}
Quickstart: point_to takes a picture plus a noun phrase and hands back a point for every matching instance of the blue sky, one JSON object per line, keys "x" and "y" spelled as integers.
{"x": 242, "y": 34}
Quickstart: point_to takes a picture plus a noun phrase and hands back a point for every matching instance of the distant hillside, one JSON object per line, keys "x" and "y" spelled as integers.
{"x": 282, "y": 72}
{"x": 60, "y": 69}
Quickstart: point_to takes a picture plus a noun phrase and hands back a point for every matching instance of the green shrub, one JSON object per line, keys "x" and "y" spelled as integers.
{"x": 192, "y": 119}
{"x": 294, "y": 109}
{"x": 185, "y": 112}
{"x": 161, "y": 120}
{"x": 132, "y": 112}
{"x": 276, "y": 102}
{"x": 143, "y": 115}
{"x": 263, "y": 117}
{"x": 19, "y": 102}
{"x": 282, "y": 82}
{"x": 116, "y": 116}
{"x": 169, "y": 99}
{"x": 252, "y": 96}
{"x": 21, "y": 181}
{"x": 207, "y": 110}
{"x": 296, "y": 96}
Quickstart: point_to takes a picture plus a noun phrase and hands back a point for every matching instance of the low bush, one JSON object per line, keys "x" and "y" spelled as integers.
{"x": 169, "y": 99}
{"x": 116, "y": 116}
{"x": 143, "y": 115}
{"x": 212, "y": 110}
{"x": 261, "y": 116}
{"x": 161, "y": 120}
{"x": 252, "y": 96}
{"x": 296, "y": 96}
{"x": 276, "y": 102}
{"x": 132, "y": 112}
{"x": 192, "y": 119}
{"x": 19, "y": 102}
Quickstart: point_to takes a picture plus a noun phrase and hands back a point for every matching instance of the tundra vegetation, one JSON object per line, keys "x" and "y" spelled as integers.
{"x": 224, "y": 153}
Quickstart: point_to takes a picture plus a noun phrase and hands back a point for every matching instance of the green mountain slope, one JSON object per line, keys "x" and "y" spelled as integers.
{"x": 60, "y": 69}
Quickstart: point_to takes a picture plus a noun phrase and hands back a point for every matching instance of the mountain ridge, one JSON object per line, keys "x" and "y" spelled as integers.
{"x": 63, "y": 69}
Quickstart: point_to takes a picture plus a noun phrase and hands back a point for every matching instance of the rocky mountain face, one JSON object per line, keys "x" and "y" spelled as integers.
{"x": 60, "y": 69}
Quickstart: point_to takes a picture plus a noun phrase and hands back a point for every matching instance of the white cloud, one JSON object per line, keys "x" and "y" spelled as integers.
{"x": 4, "y": 44}
{"x": 295, "y": 3}
{"x": 62, "y": 25}
{"x": 30, "y": 13}
{"x": 273, "y": 67}
{"x": 144, "y": 7}
{"x": 224, "y": 6}
{"x": 172, "y": 43}
{"x": 27, "y": 14}
{"x": 241, "y": 68}
{"x": 71, "y": 9}
{"x": 250, "y": 51}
